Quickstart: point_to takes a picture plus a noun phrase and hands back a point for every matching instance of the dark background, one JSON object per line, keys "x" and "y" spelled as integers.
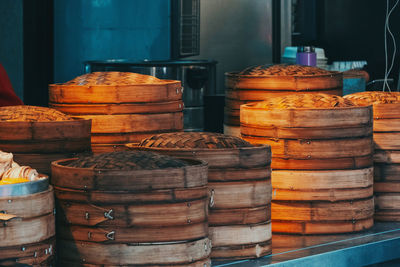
{"x": 348, "y": 30}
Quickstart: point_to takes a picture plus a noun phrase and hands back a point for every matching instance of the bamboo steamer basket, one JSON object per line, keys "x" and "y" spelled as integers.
{"x": 38, "y": 135}
{"x": 263, "y": 82}
{"x": 27, "y": 230}
{"x": 239, "y": 184}
{"x": 322, "y": 175}
{"x": 147, "y": 208}
{"x": 387, "y": 150}
{"x": 124, "y": 107}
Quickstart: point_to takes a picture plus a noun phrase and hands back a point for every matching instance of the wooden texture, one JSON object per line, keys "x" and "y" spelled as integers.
{"x": 322, "y": 177}
{"x": 386, "y": 111}
{"x": 134, "y": 215}
{"x": 224, "y": 158}
{"x": 201, "y": 263}
{"x": 106, "y": 148}
{"x": 328, "y": 185}
{"x": 322, "y": 164}
{"x": 322, "y": 217}
{"x": 392, "y": 215}
{"x": 232, "y": 130}
{"x": 240, "y": 216}
{"x": 239, "y": 184}
{"x": 386, "y": 167}
{"x": 238, "y": 252}
{"x": 140, "y": 93}
{"x": 123, "y": 138}
{"x": 232, "y": 235}
{"x": 146, "y": 217}
{"x": 306, "y": 117}
{"x": 295, "y": 83}
{"x": 140, "y": 254}
{"x": 40, "y": 162}
{"x": 237, "y": 174}
{"x": 127, "y": 197}
{"x": 250, "y": 95}
{"x": 316, "y": 148}
{"x": 123, "y": 235}
{"x": 130, "y": 123}
{"x": 45, "y": 251}
{"x": 125, "y": 108}
{"x": 28, "y": 206}
{"x": 28, "y": 230}
{"x": 264, "y": 82}
{"x": 45, "y": 137}
{"x": 323, "y": 211}
{"x": 311, "y": 228}
{"x": 193, "y": 175}
{"x": 243, "y": 194}
{"x": 387, "y": 140}
{"x": 386, "y": 172}
{"x": 387, "y": 125}
{"x": 306, "y": 133}
{"x": 387, "y": 201}
{"x": 30, "y": 225}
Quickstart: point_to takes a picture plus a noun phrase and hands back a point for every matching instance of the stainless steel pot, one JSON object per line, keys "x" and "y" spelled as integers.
{"x": 27, "y": 188}
{"x": 197, "y": 77}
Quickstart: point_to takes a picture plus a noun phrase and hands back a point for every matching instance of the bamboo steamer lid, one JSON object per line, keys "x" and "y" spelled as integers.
{"x": 295, "y": 116}
{"x": 284, "y": 77}
{"x": 115, "y": 87}
{"x": 219, "y": 150}
{"x": 128, "y": 170}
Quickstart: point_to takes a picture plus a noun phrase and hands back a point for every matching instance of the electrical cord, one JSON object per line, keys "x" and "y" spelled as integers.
{"x": 387, "y": 28}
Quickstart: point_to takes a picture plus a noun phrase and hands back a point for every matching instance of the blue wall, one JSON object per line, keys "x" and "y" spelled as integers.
{"x": 108, "y": 29}
{"x": 11, "y": 39}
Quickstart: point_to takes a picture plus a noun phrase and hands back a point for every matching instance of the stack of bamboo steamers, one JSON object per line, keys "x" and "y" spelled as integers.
{"x": 386, "y": 107}
{"x": 131, "y": 208}
{"x": 124, "y": 107}
{"x": 240, "y": 188}
{"x": 263, "y": 82}
{"x": 322, "y": 175}
{"x": 36, "y": 136}
{"x": 305, "y": 165}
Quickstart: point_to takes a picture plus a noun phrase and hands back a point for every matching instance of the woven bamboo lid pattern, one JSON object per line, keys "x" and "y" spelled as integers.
{"x": 283, "y": 70}
{"x": 295, "y": 101}
{"x": 127, "y": 160}
{"x": 113, "y": 78}
{"x": 374, "y": 97}
{"x": 31, "y": 114}
{"x": 194, "y": 140}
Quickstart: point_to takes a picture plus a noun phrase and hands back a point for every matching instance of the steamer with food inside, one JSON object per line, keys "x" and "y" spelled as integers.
{"x": 263, "y": 82}
{"x": 146, "y": 208}
{"x": 322, "y": 175}
{"x": 27, "y": 221}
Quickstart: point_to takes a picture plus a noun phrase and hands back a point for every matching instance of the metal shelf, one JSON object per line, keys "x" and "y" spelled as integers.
{"x": 377, "y": 245}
